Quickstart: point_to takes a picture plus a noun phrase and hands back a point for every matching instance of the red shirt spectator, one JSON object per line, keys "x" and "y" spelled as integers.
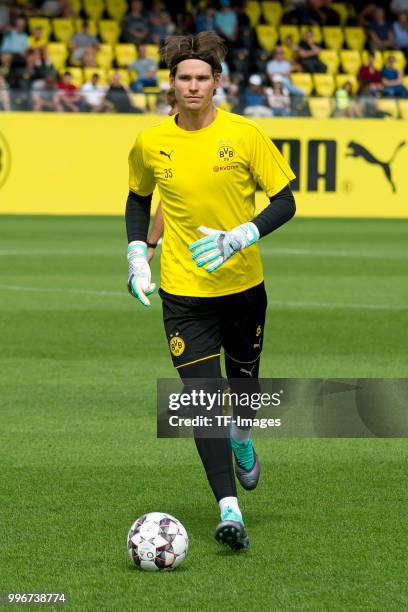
{"x": 369, "y": 75}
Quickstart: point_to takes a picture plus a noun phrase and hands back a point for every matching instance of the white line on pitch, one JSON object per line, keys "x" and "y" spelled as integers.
{"x": 265, "y": 249}
{"x": 279, "y": 304}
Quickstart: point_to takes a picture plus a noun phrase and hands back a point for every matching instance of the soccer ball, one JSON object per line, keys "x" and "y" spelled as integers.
{"x": 157, "y": 541}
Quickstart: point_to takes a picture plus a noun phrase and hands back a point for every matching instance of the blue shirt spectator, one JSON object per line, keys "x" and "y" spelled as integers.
{"x": 205, "y": 21}
{"x": 15, "y": 42}
{"x": 401, "y": 32}
{"x": 380, "y": 31}
{"x": 226, "y": 21}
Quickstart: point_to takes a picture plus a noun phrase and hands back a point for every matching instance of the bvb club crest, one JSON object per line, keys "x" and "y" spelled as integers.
{"x": 225, "y": 153}
{"x": 177, "y": 345}
{"x": 5, "y": 160}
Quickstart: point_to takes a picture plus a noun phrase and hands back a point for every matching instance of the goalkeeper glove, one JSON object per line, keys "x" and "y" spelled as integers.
{"x": 139, "y": 278}
{"x": 221, "y": 245}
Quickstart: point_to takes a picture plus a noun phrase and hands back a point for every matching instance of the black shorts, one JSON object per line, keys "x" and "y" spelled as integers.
{"x": 197, "y": 327}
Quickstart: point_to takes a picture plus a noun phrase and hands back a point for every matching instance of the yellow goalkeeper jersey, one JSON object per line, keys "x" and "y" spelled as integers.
{"x": 206, "y": 177}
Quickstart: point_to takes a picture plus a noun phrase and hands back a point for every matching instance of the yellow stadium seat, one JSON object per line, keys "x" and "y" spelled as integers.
{"x": 153, "y": 52}
{"x": 88, "y": 72}
{"x": 93, "y": 29}
{"x": 388, "y": 106}
{"x": 303, "y": 80}
{"x": 324, "y": 85}
{"x": 400, "y": 60}
{"x": 163, "y": 76}
{"x": 94, "y": 9}
{"x": 342, "y": 78}
{"x": 124, "y": 76}
{"x": 125, "y": 54}
{"x": 104, "y": 56}
{"x": 405, "y": 81}
{"x": 40, "y": 22}
{"x": 76, "y": 5}
{"x": 378, "y": 60}
{"x": 151, "y": 102}
{"x": 355, "y": 38}
{"x": 350, "y": 61}
{"x": 63, "y": 29}
{"x": 77, "y": 75}
{"x": 330, "y": 57}
{"x": 116, "y": 9}
{"x": 32, "y": 43}
{"x": 403, "y": 108}
{"x": 317, "y": 33}
{"x": 321, "y": 108}
{"x": 109, "y": 31}
{"x": 57, "y": 53}
{"x": 341, "y": 9}
{"x": 272, "y": 12}
{"x": 267, "y": 36}
{"x": 333, "y": 37}
{"x": 253, "y": 10}
{"x": 289, "y": 30}
{"x": 139, "y": 100}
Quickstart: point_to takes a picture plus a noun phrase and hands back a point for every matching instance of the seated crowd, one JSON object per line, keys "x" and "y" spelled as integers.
{"x": 262, "y": 76}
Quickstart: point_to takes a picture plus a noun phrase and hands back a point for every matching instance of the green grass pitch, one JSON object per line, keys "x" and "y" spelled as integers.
{"x": 80, "y": 461}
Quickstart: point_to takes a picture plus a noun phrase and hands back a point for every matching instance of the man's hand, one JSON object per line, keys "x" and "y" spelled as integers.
{"x": 218, "y": 246}
{"x": 139, "y": 278}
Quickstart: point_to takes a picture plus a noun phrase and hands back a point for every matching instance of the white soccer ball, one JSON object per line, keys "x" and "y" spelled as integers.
{"x": 157, "y": 541}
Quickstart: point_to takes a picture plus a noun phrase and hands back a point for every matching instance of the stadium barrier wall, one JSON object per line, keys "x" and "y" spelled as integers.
{"x": 77, "y": 164}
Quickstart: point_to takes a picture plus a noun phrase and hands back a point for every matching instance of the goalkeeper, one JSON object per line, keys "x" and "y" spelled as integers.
{"x": 207, "y": 163}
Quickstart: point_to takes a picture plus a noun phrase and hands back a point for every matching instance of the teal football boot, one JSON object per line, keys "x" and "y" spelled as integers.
{"x": 231, "y": 531}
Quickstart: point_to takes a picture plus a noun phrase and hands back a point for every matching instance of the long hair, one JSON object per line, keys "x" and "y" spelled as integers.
{"x": 205, "y": 46}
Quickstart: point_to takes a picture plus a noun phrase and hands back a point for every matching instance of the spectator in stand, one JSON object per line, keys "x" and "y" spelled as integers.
{"x": 45, "y": 96}
{"x": 83, "y": 41}
{"x": 226, "y": 23}
{"x": 399, "y": 6}
{"x": 309, "y": 54}
{"x": 281, "y": 67}
{"x": 278, "y": 97}
{"x": 291, "y": 53}
{"x": 37, "y": 39}
{"x": 119, "y": 96}
{"x": 380, "y": 31}
{"x": 161, "y": 26}
{"x": 134, "y": 25}
{"x": 69, "y": 98}
{"x": 392, "y": 80}
{"x": 14, "y": 44}
{"x": 400, "y": 28}
{"x": 36, "y": 69}
{"x": 346, "y": 104}
{"x": 146, "y": 68}
{"x": 255, "y": 100}
{"x": 368, "y": 75}
{"x": 93, "y": 95}
{"x": 205, "y": 21}
{"x": 315, "y": 12}
{"x": 4, "y": 94}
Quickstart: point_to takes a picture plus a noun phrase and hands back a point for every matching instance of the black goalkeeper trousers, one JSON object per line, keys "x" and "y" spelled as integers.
{"x": 216, "y": 452}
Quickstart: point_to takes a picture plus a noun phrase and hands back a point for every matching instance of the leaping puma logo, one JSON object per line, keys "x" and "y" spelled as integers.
{"x": 244, "y": 371}
{"x": 167, "y": 154}
{"x": 357, "y": 150}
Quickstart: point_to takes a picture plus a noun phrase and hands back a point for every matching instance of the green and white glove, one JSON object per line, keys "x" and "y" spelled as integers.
{"x": 218, "y": 246}
{"x": 139, "y": 278}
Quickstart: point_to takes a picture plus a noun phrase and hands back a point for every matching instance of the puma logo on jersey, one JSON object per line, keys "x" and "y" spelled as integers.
{"x": 167, "y": 154}
{"x": 244, "y": 371}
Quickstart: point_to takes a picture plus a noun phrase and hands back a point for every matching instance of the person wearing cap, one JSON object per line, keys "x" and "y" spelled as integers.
{"x": 255, "y": 100}
{"x": 207, "y": 164}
